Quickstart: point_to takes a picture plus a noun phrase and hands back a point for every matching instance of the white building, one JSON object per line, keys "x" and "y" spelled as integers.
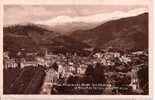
{"x": 25, "y": 63}
{"x": 138, "y": 53}
{"x": 134, "y": 80}
{"x": 10, "y": 63}
{"x": 125, "y": 59}
{"x": 41, "y": 61}
{"x": 82, "y": 69}
{"x": 6, "y": 55}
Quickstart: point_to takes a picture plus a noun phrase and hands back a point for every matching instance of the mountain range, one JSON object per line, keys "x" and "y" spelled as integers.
{"x": 68, "y": 24}
{"x": 123, "y": 33}
{"x": 32, "y": 37}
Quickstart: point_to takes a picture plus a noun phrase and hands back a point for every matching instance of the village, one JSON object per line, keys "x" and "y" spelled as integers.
{"x": 59, "y": 68}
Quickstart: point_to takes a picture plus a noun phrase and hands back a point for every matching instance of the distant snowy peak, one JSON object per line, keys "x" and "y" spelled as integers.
{"x": 59, "y": 20}
{"x": 97, "y": 18}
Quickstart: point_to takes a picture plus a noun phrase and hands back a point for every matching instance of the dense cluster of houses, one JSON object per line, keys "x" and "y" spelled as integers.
{"x": 73, "y": 64}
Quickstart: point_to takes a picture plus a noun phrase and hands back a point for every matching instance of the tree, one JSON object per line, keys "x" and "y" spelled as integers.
{"x": 55, "y": 66}
{"x": 89, "y": 70}
{"x": 99, "y": 76}
{"x": 143, "y": 77}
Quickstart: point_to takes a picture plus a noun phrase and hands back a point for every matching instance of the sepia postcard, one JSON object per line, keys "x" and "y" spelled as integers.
{"x": 76, "y": 49}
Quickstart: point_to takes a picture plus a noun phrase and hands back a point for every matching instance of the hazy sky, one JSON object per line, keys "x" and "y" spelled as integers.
{"x": 15, "y": 14}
